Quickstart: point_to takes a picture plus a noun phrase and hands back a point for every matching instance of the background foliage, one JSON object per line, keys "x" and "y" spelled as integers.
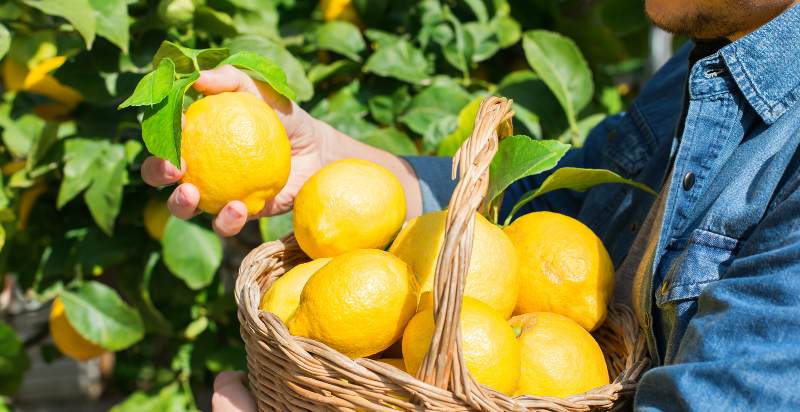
{"x": 405, "y": 76}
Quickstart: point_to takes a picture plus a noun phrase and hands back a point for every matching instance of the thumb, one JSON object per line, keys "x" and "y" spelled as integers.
{"x": 224, "y": 79}
{"x": 230, "y": 394}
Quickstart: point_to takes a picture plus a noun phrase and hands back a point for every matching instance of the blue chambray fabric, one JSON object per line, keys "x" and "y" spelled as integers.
{"x": 721, "y": 303}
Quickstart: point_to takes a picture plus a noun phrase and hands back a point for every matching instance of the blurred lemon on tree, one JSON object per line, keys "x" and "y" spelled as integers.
{"x": 18, "y": 77}
{"x": 564, "y": 268}
{"x": 67, "y": 339}
{"x": 492, "y": 278}
{"x": 156, "y": 215}
{"x": 347, "y": 205}
{"x": 558, "y": 357}
{"x": 283, "y": 296}
{"x": 235, "y": 148}
{"x": 491, "y": 351}
{"x": 339, "y": 10}
{"x": 358, "y": 304}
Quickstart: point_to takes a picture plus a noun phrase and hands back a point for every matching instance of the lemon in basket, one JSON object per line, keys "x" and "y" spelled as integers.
{"x": 283, "y": 295}
{"x": 491, "y": 351}
{"x": 492, "y": 278}
{"x": 347, "y": 205}
{"x": 358, "y": 304}
{"x": 564, "y": 268}
{"x": 235, "y": 148}
{"x": 558, "y": 356}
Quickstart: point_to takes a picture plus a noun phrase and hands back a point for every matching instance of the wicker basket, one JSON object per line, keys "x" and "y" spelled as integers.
{"x": 294, "y": 373}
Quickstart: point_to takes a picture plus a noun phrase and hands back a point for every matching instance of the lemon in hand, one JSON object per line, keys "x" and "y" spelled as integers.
{"x": 347, "y": 205}
{"x": 558, "y": 357}
{"x": 235, "y": 148}
{"x": 564, "y": 268}
{"x": 67, "y": 339}
{"x": 492, "y": 276}
{"x": 283, "y": 295}
{"x": 358, "y": 304}
{"x": 491, "y": 351}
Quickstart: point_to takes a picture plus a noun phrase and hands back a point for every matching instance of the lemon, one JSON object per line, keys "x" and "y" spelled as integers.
{"x": 492, "y": 276}
{"x": 558, "y": 356}
{"x": 67, "y": 339}
{"x": 339, "y": 10}
{"x": 156, "y": 215}
{"x": 359, "y": 303}
{"x": 564, "y": 268}
{"x": 347, "y": 205}
{"x": 38, "y": 80}
{"x": 396, "y": 362}
{"x": 283, "y": 296}
{"x": 235, "y": 148}
{"x": 491, "y": 351}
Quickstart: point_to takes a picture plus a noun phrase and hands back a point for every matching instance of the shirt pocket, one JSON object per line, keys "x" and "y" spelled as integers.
{"x": 696, "y": 262}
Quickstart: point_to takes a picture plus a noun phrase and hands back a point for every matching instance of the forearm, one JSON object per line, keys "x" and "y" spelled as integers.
{"x": 337, "y": 146}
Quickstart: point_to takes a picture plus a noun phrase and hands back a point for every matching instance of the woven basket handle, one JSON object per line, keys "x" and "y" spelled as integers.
{"x": 444, "y": 364}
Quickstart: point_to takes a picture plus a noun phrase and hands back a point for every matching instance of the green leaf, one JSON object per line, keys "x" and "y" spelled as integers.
{"x": 191, "y": 252}
{"x": 79, "y": 13}
{"x": 560, "y": 64}
{"x": 262, "y": 69}
{"x": 41, "y": 144}
{"x": 169, "y": 399}
{"x": 391, "y": 140}
{"x": 154, "y": 86}
{"x": 518, "y": 157}
{"x": 214, "y": 22}
{"x": 485, "y": 41}
{"x": 433, "y": 112}
{"x": 161, "y": 125}
{"x": 275, "y": 227}
{"x": 385, "y": 108}
{"x": 19, "y": 134}
{"x": 479, "y": 9}
{"x": 189, "y": 60}
{"x": 112, "y": 21}
{"x": 576, "y": 179}
{"x": 584, "y": 126}
{"x": 99, "y": 315}
{"x": 14, "y": 360}
{"x": 507, "y": 29}
{"x": 400, "y": 60}
{"x": 80, "y": 156}
{"x": 533, "y": 103}
{"x": 320, "y": 72}
{"x": 340, "y": 37}
{"x": 104, "y": 196}
{"x": 5, "y": 40}
{"x": 466, "y": 122}
{"x": 295, "y": 73}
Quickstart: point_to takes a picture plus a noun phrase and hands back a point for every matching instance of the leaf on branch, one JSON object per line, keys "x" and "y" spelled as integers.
{"x": 575, "y": 178}
{"x": 262, "y": 69}
{"x": 189, "y": 60}
{"x": 340, "y": 37}
{"x": 14, "y": 360}
{"x": 154, "y": 86}
{"x": 99, "y": 315}
{"x": 5, "y": 40}
{"x": 79, "y": 13}
{"x": 112, "y": 21}
{"x": 161, "y": 125}
{"x": 191, "y": 252}
{"x": 399, "y": 59}
{"x": 295, "y": 73}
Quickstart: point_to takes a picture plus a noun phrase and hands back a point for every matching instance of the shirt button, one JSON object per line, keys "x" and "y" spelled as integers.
{"x": 688, "y": 181}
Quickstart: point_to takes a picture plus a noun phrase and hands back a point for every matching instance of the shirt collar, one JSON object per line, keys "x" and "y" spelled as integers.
{"x": 765, "y": 65}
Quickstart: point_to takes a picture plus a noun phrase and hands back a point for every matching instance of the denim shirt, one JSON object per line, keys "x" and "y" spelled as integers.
{"x": 721, "y": 303}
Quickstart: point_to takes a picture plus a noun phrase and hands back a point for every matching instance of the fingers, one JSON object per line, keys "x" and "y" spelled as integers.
{"x": 231, "y": 395}
{"x": 230, "y": 220}
{"x": 184, "y": 200}
{"x": 224, "y": 79}
{"x": 160, "y": 172}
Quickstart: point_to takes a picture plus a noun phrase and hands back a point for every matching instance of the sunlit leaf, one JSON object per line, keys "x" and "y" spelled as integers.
{"x": 112, "y": 21}
{"x": 341, "y": 37}
{"x": 154, "y": 86}
{"x": 263, "y": 69}
{"x": 78, "y": 12}
{"x": 161, "y": 125}
{"x": 191, "y": 252}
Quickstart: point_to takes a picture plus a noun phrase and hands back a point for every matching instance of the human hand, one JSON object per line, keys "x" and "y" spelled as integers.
{"x": 231, "y": 394}
{"x": 306, "y": 138}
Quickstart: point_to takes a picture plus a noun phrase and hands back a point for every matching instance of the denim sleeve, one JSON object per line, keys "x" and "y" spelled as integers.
{"x": 435, "y": 184}
{"x": 741, "y": 351}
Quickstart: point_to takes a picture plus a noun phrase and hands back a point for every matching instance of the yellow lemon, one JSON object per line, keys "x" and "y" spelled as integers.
{"x": 156, "y": 215}
{"x": 359, "y": 303}
{"x": 67, "y": 339}
{"x": 235, "y": 148}
{"x": 283, "y": 296}
{"x": 558, "y": 356}
{"x": 397, "y": 363}
{"x": 564, "y": 268}
{"x": 339, "y": 10}
{"x": 38, "y": 80}
{"x": 347, "y": 205}
{"x": 492, "y": 277}
{"x": 491, "y": 351}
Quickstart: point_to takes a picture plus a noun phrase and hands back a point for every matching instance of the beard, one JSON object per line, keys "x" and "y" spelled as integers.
{"x": 696, "y": 19}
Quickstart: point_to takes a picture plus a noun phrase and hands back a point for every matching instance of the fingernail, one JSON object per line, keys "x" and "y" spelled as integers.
{"x": 181, "y": 199}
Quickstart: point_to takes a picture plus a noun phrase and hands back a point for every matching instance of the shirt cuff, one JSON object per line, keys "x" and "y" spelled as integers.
{"x": 435, "y": 184}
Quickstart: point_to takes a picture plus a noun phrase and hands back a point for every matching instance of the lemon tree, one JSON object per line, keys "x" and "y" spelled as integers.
{"x": 90, "y": 87}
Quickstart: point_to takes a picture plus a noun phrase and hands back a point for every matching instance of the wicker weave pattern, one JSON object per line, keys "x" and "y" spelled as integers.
{"x": 293, "y": 373}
